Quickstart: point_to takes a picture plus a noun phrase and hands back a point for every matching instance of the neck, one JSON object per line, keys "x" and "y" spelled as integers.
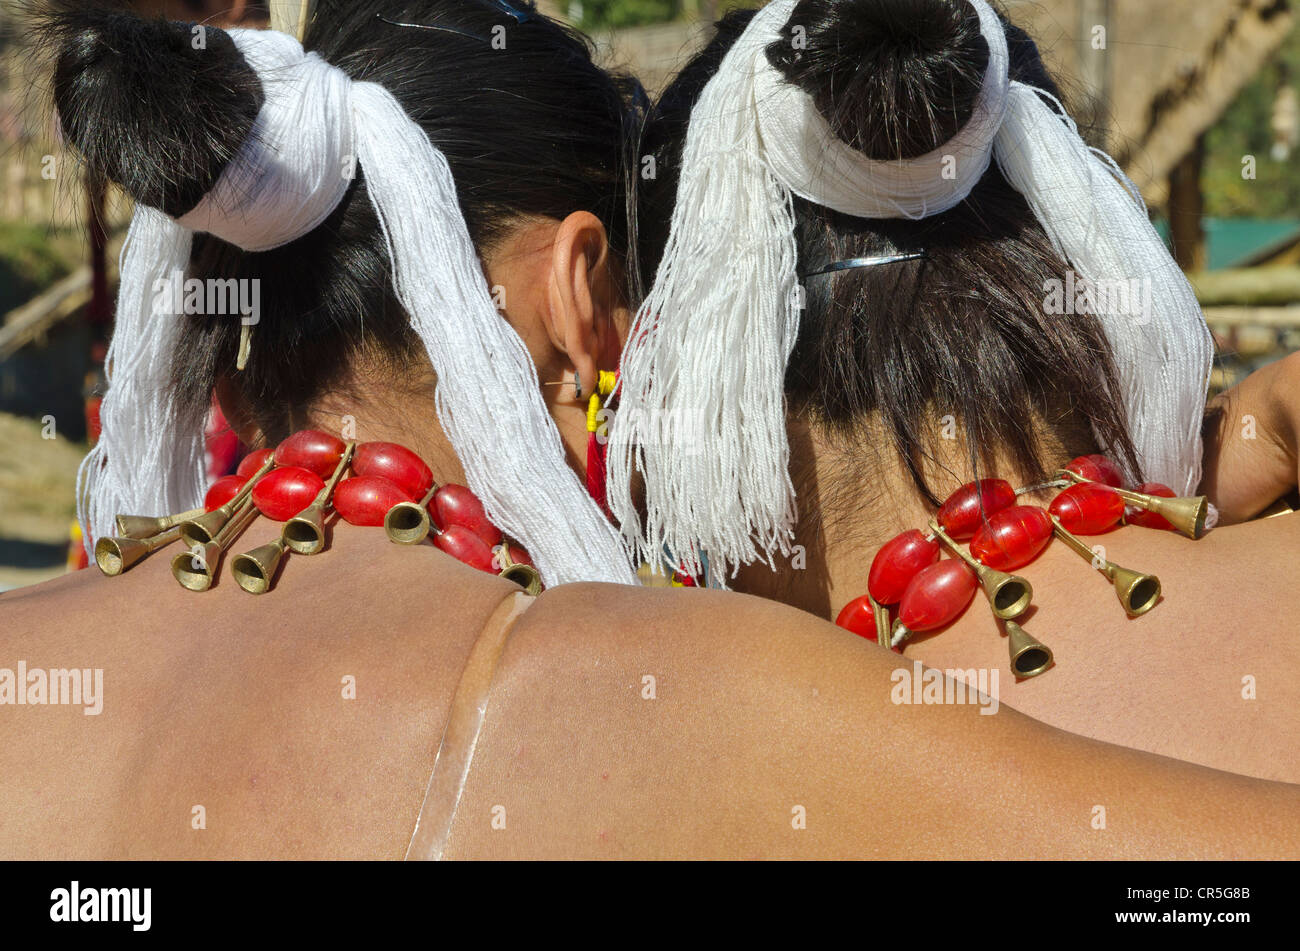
{"x": 853, "y": 494}
{"x": 398, "y": 405}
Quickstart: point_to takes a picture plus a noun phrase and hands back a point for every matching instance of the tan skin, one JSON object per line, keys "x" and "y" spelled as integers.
{"x": 236, "y": 704}
{"x": 1170, "y": 681}
{"x": 1253, "y": 446}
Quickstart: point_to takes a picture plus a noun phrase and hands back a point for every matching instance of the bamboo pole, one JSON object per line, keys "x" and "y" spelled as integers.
{"x": 1248, "y": 287}
{"x": 1187, "y": 208}
{"x": 1095, "y": 70}
{"x": 291, "y": 16}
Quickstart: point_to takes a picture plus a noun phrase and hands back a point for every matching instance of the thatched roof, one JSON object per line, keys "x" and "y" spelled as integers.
{"x": 1174, "y": 66}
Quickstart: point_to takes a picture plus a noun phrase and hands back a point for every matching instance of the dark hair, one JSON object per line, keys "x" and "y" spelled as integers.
{"x": 534, "y": 129}
{"x": 961, "y": 331}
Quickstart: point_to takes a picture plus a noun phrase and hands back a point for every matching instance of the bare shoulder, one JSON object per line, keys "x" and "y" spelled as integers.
{"x": 629, "y": 622}
{"x": 656, "y": 644}
{"x": 621, "y": 722}
{"x": 302, "y": 723}
{"x": 694, "y": 724}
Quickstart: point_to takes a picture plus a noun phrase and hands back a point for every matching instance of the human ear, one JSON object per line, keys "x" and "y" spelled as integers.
{"x": 582, "y": 297}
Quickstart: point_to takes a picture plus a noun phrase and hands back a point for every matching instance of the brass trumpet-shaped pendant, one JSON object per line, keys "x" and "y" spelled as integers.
{"x": 196, "y": 568}
{"x": 202, "y": 530}
{"x": 1138, "y": 593}
{"x": 305, "y": 532}
{"x": 144, "y": 527}
{"x": 407, "y": 523}
{"x": 1186, "y": 513}
{"x": 880, "y": 614}
{"x": 1009, "y": 595}
{"x": 526, "y": 576}
{"x": 116, "y": 555}
{"x": 1029, "y": 657}
{"x": 253, "y": 570}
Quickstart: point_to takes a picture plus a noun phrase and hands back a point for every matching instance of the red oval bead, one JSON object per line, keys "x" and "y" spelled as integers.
{"x": 520, "y": 556}
{"x": 283, "y": 493}
{"x": 897, "y": 563}
{"x": 1012, "y": 537}
{"x": 1087, "y": 509}
{"x": 464, "y": 545}
{"x": 1097, "y": 468}
{"x": 937, "y": 595}
{"x": 222, "y": 450}
{"x": 964, "y": 511}
{"x": 1151, "y": 519}
{"x": 456, "y": 505}
{"x": 858, "y": 618}
{"x": 222, "y": 491}
{"x": 311, "y": 449}
{"x": 395, "y": 463}
{"x": 253, "y": 462}
{"x": 365, "y": 500}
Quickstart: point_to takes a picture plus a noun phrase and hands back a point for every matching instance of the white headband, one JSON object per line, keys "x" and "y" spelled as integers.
{"x": 290, "y": 175}
{"x": 811, "y": 161}
{"x": 702, "y": 412}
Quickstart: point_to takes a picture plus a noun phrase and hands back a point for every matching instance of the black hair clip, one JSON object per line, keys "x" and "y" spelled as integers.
{"x": 520, "y": 16}
{"x": 850, "y": 263}
{"x": 430, "y": 26}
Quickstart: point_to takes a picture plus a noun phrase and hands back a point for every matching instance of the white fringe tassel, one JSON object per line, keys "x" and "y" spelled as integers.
{"x": 702, "y": 416}
{"x": 286, "y": 181}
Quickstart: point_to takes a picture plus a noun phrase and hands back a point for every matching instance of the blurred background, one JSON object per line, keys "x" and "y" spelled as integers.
{"x": 1198, "y": 100}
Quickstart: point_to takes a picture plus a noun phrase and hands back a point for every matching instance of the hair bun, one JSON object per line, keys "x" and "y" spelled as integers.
{"x": 157, "y": 107}
{"x": 894, "y": 78}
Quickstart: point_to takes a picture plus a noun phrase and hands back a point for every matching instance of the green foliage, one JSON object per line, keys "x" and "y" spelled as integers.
{"x": 1245, "y": 130}
{"x": 615, "y": 14}
{"x": 29, "y": 263}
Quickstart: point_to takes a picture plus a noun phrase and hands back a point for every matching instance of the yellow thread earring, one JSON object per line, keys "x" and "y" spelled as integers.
{"x": 606, "y": 381}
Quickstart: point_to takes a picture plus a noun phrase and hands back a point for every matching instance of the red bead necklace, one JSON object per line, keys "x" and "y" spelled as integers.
{"x": 296, "y": 483}
{"x": 912, "y": 589}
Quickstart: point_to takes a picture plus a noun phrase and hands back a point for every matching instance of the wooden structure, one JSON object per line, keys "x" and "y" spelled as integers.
{"x": 1166, "y": 72}
{"x": 27, "y": 138}
{"x": 1168, "y": 69}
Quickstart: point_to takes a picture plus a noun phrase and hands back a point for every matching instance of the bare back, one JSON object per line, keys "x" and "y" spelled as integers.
{"x": 760, "y": 732}
{"x": 1209, "y": 675}
{"x": 239, "y": 705}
